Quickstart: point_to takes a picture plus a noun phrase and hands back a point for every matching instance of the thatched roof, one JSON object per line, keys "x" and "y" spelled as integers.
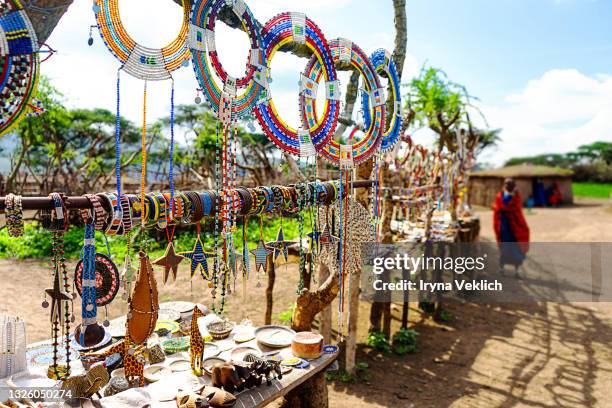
{"x": 524, "y": 170}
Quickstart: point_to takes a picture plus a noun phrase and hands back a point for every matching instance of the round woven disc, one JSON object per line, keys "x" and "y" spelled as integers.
{"x": 107, "y": 279}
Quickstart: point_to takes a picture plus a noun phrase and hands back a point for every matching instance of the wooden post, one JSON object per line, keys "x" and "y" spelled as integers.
{"x": 325, "y": 316}
{"x": 353, "y": 318}
{"x": 270, "y": 290}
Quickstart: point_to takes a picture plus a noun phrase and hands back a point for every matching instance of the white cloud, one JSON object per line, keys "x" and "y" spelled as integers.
{"x": 557, "y": 112}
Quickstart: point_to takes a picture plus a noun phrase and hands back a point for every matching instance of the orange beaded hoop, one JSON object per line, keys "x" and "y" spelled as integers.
{"x": 139, "y": 61}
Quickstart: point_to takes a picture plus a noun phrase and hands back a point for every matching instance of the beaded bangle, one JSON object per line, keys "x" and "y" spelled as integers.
{"x": 126, "y": 210}
{"x": 177, "y": 208}
{"x": 277, "y": 198}
{"x": 14, "y": 215}
{"x": 162, "y": 206}
{"x": 347, "y": 156}
{"x": 139, "y": 61}
{"x": 259, "y": 200}
{"x": 282, "y": 30}
{"x": 99, "y": 215}
{"x": 197, "y": 208}
{"x": 58, "y": 216}
{"x": 383, "y": 65}
{"x": 206, "y": 202}
{"x": 269, "y": 199}
{"x": 19, "y": 65}
{"x": 152, "y": 210}
{"x": 246, "y": 200}
{"x": 116, "y": 220}
{"x": 135, "y": 208}
{"x": 187, "y": 210}
{"x": 204, "y": 55}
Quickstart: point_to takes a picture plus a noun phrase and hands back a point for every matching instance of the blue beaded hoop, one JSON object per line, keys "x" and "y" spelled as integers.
{"x": 384, "y": 66}
{"x": 347, "y": 156}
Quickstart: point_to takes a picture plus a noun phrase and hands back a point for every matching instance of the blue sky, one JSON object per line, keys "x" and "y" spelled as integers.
{"x": 541, "y": 68}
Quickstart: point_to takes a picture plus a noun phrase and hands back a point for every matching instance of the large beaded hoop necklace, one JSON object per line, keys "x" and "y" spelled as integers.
{"x": 348, "y": 156}
{"x": 284, "y": 29}
{"x": 383, "y": 64}
{"x": 204, "y": 57}
{"x": 19, "y": 64}
{"x": 152, "y": 64}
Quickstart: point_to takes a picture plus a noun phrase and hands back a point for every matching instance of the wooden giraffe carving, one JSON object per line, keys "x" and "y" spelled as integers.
{"x": 196, "y": 342}
{"x": 133, "y": 362}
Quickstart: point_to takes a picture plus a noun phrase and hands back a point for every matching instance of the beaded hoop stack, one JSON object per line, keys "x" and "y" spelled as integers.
{"x": 384, "y": 65}
{"x": 282, "y": 30}
{"x": 204, "y": 57}
{"x": 145, "y": 63}
{"x": 347, "y": 156}
{"x": 19, "y": 63}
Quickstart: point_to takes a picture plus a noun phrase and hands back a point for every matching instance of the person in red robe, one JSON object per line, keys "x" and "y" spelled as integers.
{"x": 511, "y": 229}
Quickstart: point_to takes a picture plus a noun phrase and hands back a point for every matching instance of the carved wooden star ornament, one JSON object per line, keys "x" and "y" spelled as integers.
{"x": 170, "y": 261}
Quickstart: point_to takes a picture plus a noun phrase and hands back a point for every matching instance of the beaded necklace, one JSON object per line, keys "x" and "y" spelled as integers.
{"x": 61, "y": 298}
{"x": 19, "y": 65}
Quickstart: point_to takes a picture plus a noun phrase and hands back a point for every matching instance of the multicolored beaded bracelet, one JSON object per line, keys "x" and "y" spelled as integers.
{"x": 14, "y": 215}
{"x": 383, "y": 64}
{"x": 116, "y": 220}
{"x": 206, "y": 202}
{"x": 347, "y": 156}
{"x": 126, "y": 210}
{"x": 99, "y": 215}
{"x": 204, "y": 55}
{"x": 281, "y": 30}
{"x": 162, "y": 204}
{"x": 135, "y": 208}
{"x": 58, "y": 220}
{"x": 197, "y": 207}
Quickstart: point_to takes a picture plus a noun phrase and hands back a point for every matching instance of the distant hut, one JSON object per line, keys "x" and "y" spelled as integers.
{"x": 531, "y": 181}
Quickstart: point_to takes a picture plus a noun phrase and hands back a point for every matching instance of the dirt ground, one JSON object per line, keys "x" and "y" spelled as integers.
{"x": 532, "y": 355}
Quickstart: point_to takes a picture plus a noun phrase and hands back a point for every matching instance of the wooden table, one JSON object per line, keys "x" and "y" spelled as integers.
{"x": 255, "y": 397}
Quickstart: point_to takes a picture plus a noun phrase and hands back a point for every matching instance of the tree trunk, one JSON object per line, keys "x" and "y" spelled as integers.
{"x": 383, "y": 310}
{"x": 309, "y": 304}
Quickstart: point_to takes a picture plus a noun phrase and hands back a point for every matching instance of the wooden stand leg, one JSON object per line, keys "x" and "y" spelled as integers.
{"x": 311, "y": 394}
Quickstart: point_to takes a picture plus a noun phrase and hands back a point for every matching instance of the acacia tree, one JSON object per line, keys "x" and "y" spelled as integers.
{"x": 69, "y": 150}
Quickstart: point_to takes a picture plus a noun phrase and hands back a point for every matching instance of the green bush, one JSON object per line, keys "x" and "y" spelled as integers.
{"x": 378, "y": 341}
{"x": 405, "y": 341}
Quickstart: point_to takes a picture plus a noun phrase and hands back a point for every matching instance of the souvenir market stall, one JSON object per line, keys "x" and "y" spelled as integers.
{"x": 194, "y": 355}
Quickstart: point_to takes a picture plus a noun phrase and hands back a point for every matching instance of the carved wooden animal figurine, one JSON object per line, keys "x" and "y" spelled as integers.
{"x": 267, "y": 369}
{"x": 196, "y": 342}
{"x": 133, "y": 362}
{"x": 225, "y": 375}
{"x": 88, "y": 384}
